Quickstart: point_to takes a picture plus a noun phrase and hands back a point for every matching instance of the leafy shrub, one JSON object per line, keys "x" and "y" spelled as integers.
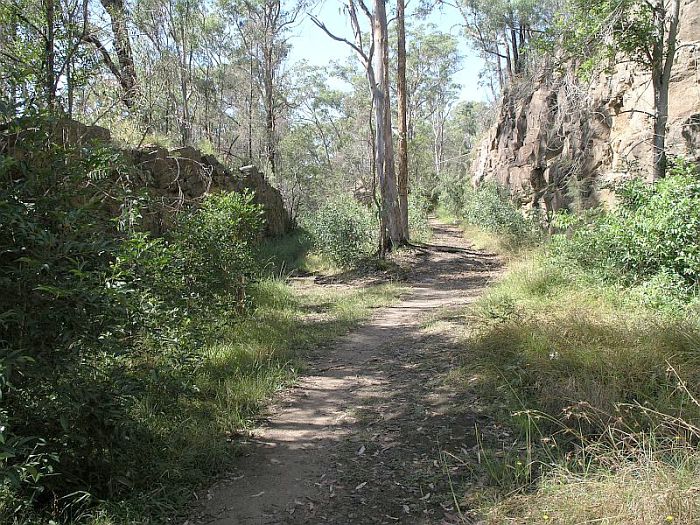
{"x": 655, "y": 230}
{"x": 173, "y": 286}
{"x": 56, "y": 242}
{"x": 419, "y": 228}
{"x": 451, "y": 192}
{"x": 216, "y": 240}
{"x": 95, "y": 319}
{"x": 489, "y": 207}
{"x": 343, "y": 230}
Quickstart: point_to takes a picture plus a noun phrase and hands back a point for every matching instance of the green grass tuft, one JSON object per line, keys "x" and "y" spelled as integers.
{"x": 596, "y": 386}
{"x": 184, "y": 427}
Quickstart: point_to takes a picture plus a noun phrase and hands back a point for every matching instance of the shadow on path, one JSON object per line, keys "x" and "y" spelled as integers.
{"x": 360, "y": 439}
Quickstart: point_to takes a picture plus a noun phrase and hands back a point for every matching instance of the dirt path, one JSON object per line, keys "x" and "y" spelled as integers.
{"x": 362, "y": 438}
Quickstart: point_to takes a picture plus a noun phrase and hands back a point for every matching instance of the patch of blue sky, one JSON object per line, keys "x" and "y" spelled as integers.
{"x": 309, "y": 43}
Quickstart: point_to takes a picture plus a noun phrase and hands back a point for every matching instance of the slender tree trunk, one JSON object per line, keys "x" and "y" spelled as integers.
{"x": 373, "y": 154}
{"x": 514, "y": 45}
{"x": 324, "y": 140}
{"x": 220, "y": 126}
{"x": 373, "y": 168}
{"x": 376, "y": 68}
{"x": 207, "y": 119}
{"x": 659, "y": 129}
{"x": 509, "y": 62}
{"x": 402, "y": 124}
{"x": 122, "y": 47}
{"x": 49, "y": 50}
{"x": 438, "y": 140}
{"x": 250, "y": 110}
{"x": 665, "y": 55}
{"x": 186, "y": 124}
{"x": 385, "y": 149}
{"x": 70, "y": 90}
{"x": 499, "y": 69}
{"x": 268, "y": 85}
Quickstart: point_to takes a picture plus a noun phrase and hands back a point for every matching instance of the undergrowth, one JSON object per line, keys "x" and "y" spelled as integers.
{"x": 344, "y": 233}
{"x": 187, "y": 439}
{"x": 589, "y": 358}
{"x": 490, "y": 219}
{"x": 594, "y": 385}
{"x": 250, "y": 361}
{"x": 128, "y": 361}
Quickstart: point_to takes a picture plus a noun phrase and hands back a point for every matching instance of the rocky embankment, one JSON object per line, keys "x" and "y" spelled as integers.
{"x": 179, "y": 178}
{"x": 557, "y": 140}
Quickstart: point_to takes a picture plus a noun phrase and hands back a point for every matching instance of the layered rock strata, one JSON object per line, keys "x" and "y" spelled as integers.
{"x": 557, "y": 141}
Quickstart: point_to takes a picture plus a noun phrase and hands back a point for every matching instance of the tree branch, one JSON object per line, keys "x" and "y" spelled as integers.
{"x": 365, "y": 9}
{"x": 106, "y": 57}
{"x": 323, "y": 27}
{"x": 648, "y": 114}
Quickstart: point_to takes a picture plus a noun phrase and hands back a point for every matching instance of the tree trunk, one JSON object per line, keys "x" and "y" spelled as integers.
{"x": 438, "y": 125}
{"x": 516, "y": 53}
{"x": 499, "y": 68}
{"x": 509, "y": 62}
{"x": 373, "y": 169}
{"x": 186, "y": 122}
{"x": 376, "y": 67}
{"x": 49, "y": 50}
{"x": 661, "y": 80}
{"x": 385, "y": 149}
{"x": 268, "y": 85}
{"x": 70, "y": 89}
{"x": 250, "y": 110}
{"x": 122, "y": 47}
{"x": 402, "y": 124}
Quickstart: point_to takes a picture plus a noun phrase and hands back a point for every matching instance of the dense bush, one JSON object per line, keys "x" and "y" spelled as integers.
{"x": 652, "y": 235}
{"x": 56, "y": 243}
{"x": 178, "y": 282}
{"x": 490, "y": 207}
{"x": 450, "y": 191}
{"x": 418, "y": 226}
{"x": 343, "y": 230}
{"x": 589, "y": 351}
{"x": 94, "y": 317}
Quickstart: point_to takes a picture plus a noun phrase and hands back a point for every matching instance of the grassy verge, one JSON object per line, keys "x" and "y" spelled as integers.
{"x": 595, "y": 386}
{"x": 187, "y": 438}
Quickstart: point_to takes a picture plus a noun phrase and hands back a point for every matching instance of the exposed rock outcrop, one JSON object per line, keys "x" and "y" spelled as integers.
{"x": 182, "y": 176}
{"x": 556, "y": 140}
{"x": 179, "y": 178}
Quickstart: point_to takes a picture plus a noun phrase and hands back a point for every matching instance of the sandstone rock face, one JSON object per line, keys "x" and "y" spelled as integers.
{"x": 557, "y": 141}
{"x": 176, "y": 179}
{"x": 181, "y": 177}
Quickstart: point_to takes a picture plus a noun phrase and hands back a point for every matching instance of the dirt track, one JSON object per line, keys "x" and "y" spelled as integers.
{"x": 366, "y": 435}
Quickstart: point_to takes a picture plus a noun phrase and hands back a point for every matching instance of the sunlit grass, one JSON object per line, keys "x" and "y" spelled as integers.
{"x": 641, "y": 491}
{"x": 186, "y": 440}
{"x": 593, "y": 384}
{"x": 509, "y": 247}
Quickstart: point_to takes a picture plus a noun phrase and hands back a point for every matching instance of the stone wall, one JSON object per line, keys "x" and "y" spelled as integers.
{"x": 558, "y": 140}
